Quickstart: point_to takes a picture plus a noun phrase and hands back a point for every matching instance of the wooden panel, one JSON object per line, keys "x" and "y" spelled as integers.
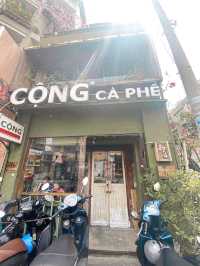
{"x": 134, "y": 201}
{"x": 109, "y": 202}
{"x": 118, "y": 196}
{"x": 99, "y": 206}
{"x": 99, "y": 203}
{"x": 118, "y": 207}
{"x": 128, "y": 163}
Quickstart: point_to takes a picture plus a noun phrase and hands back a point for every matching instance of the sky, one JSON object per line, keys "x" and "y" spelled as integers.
{"x": 186, "y": 14}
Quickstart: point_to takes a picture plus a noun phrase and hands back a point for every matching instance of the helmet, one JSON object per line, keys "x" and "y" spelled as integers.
{"x": 152, "y": 251}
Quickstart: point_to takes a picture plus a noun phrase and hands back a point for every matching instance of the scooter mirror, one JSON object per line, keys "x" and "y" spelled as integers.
{"x": 198, "y": 240}
{"x": 45, "y": 187}
{"x": 156, "y": 187}
{"x": 2, "y": 214}
{"x": 134, "y": 215}
{"x": 85, "y": 181}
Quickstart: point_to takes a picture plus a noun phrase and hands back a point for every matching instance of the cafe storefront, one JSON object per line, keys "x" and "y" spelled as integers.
{"x": 109, "y": 130}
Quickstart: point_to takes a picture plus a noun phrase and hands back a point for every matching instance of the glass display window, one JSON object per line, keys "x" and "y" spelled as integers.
{"x": 55, "y": 159}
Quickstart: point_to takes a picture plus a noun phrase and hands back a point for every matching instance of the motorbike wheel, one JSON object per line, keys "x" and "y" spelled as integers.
{"x": 142, "y": 259}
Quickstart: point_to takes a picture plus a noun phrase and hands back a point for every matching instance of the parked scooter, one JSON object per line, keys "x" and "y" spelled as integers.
{"x": 29, "y": 232}
{"x": 169, "y": 257}
{"x": 5, "y": 208}
{"x": 153, "y": 232}
{"x": 72, "y": 244}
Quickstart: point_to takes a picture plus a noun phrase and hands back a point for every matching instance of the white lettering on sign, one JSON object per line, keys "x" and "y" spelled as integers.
{"x": 10, "y": 130}
{"x": 100, "y": 95}
{"x": 38, "y": 94}
{"x": 55, "y": 91}
{"x": 83, "y": 95}
{"x": 15, "y": 100}
{"x": 155, "y": 90}
{"x": 113, "y": 94}
{"x": 143, "y": 91}
{"x": 80, "y": 93}
{"x": 130, "y": 92}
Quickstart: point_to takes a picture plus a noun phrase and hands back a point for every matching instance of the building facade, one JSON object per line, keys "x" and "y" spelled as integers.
{"x": 28, "y": 20}
{"x": 94, "y": 108}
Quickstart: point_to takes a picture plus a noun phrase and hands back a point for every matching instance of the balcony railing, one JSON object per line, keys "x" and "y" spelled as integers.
{"x": 19, "y": 10}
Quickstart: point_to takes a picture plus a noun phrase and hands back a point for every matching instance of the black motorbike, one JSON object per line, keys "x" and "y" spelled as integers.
{"x": 25, "y": 233}
{"x": 73, "y": 241}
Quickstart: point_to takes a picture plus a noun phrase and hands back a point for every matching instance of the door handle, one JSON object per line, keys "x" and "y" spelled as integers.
{"x": 108, "y": 186}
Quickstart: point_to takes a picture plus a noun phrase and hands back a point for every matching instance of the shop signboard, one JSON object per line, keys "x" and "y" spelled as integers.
{"x": 11, "y": 167}
{"x": 162, "y": 152}
{"x": 165, "y": 171}
{"x": 10, "y": 130}
{"x": 85, "y": 92}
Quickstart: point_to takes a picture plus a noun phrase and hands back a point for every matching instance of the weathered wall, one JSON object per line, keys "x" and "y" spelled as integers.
{"x": 13, "y": 69}
{"x": 156, "y": 128}
{"x": 119, "y": 119}
{"x": 13, "y": 63}
{"x": 88, "y": 121}
{"x": 10, "y": 56}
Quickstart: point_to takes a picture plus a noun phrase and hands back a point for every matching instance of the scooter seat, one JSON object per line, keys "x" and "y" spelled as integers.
{"x": 62, "y": 252}
{"x": 12, "y": 248}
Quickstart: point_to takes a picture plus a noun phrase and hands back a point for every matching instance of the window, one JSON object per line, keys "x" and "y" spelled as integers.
{"x": 57, "y": 158}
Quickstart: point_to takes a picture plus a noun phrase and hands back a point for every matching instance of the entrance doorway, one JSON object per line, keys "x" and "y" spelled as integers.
{"x": 109, "y": 202}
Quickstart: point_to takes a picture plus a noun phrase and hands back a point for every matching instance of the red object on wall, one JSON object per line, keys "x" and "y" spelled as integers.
{"x": 172, "y": 84}
{"x": 4, "y": 88}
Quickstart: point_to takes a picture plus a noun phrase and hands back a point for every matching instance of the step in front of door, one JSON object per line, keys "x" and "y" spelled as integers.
{"x": 94, "y": 260}
{"x": 107, "y": 240}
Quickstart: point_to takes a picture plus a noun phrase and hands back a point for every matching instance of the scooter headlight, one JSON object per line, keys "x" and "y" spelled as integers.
{"x": 71, "y": 200}
{"x": 66, "y": 224}
{"x": 2, "y": 214}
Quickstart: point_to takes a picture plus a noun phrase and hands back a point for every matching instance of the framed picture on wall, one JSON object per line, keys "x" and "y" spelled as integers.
{"x": 162, "y": 152}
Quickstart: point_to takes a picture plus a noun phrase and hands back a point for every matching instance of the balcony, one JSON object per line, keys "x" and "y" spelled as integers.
{"x": 21, "y": 11}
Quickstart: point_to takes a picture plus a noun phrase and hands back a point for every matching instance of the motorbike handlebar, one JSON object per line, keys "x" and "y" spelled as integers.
{"x": 88, "y": 197}
{"x": 83, "y": 199}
